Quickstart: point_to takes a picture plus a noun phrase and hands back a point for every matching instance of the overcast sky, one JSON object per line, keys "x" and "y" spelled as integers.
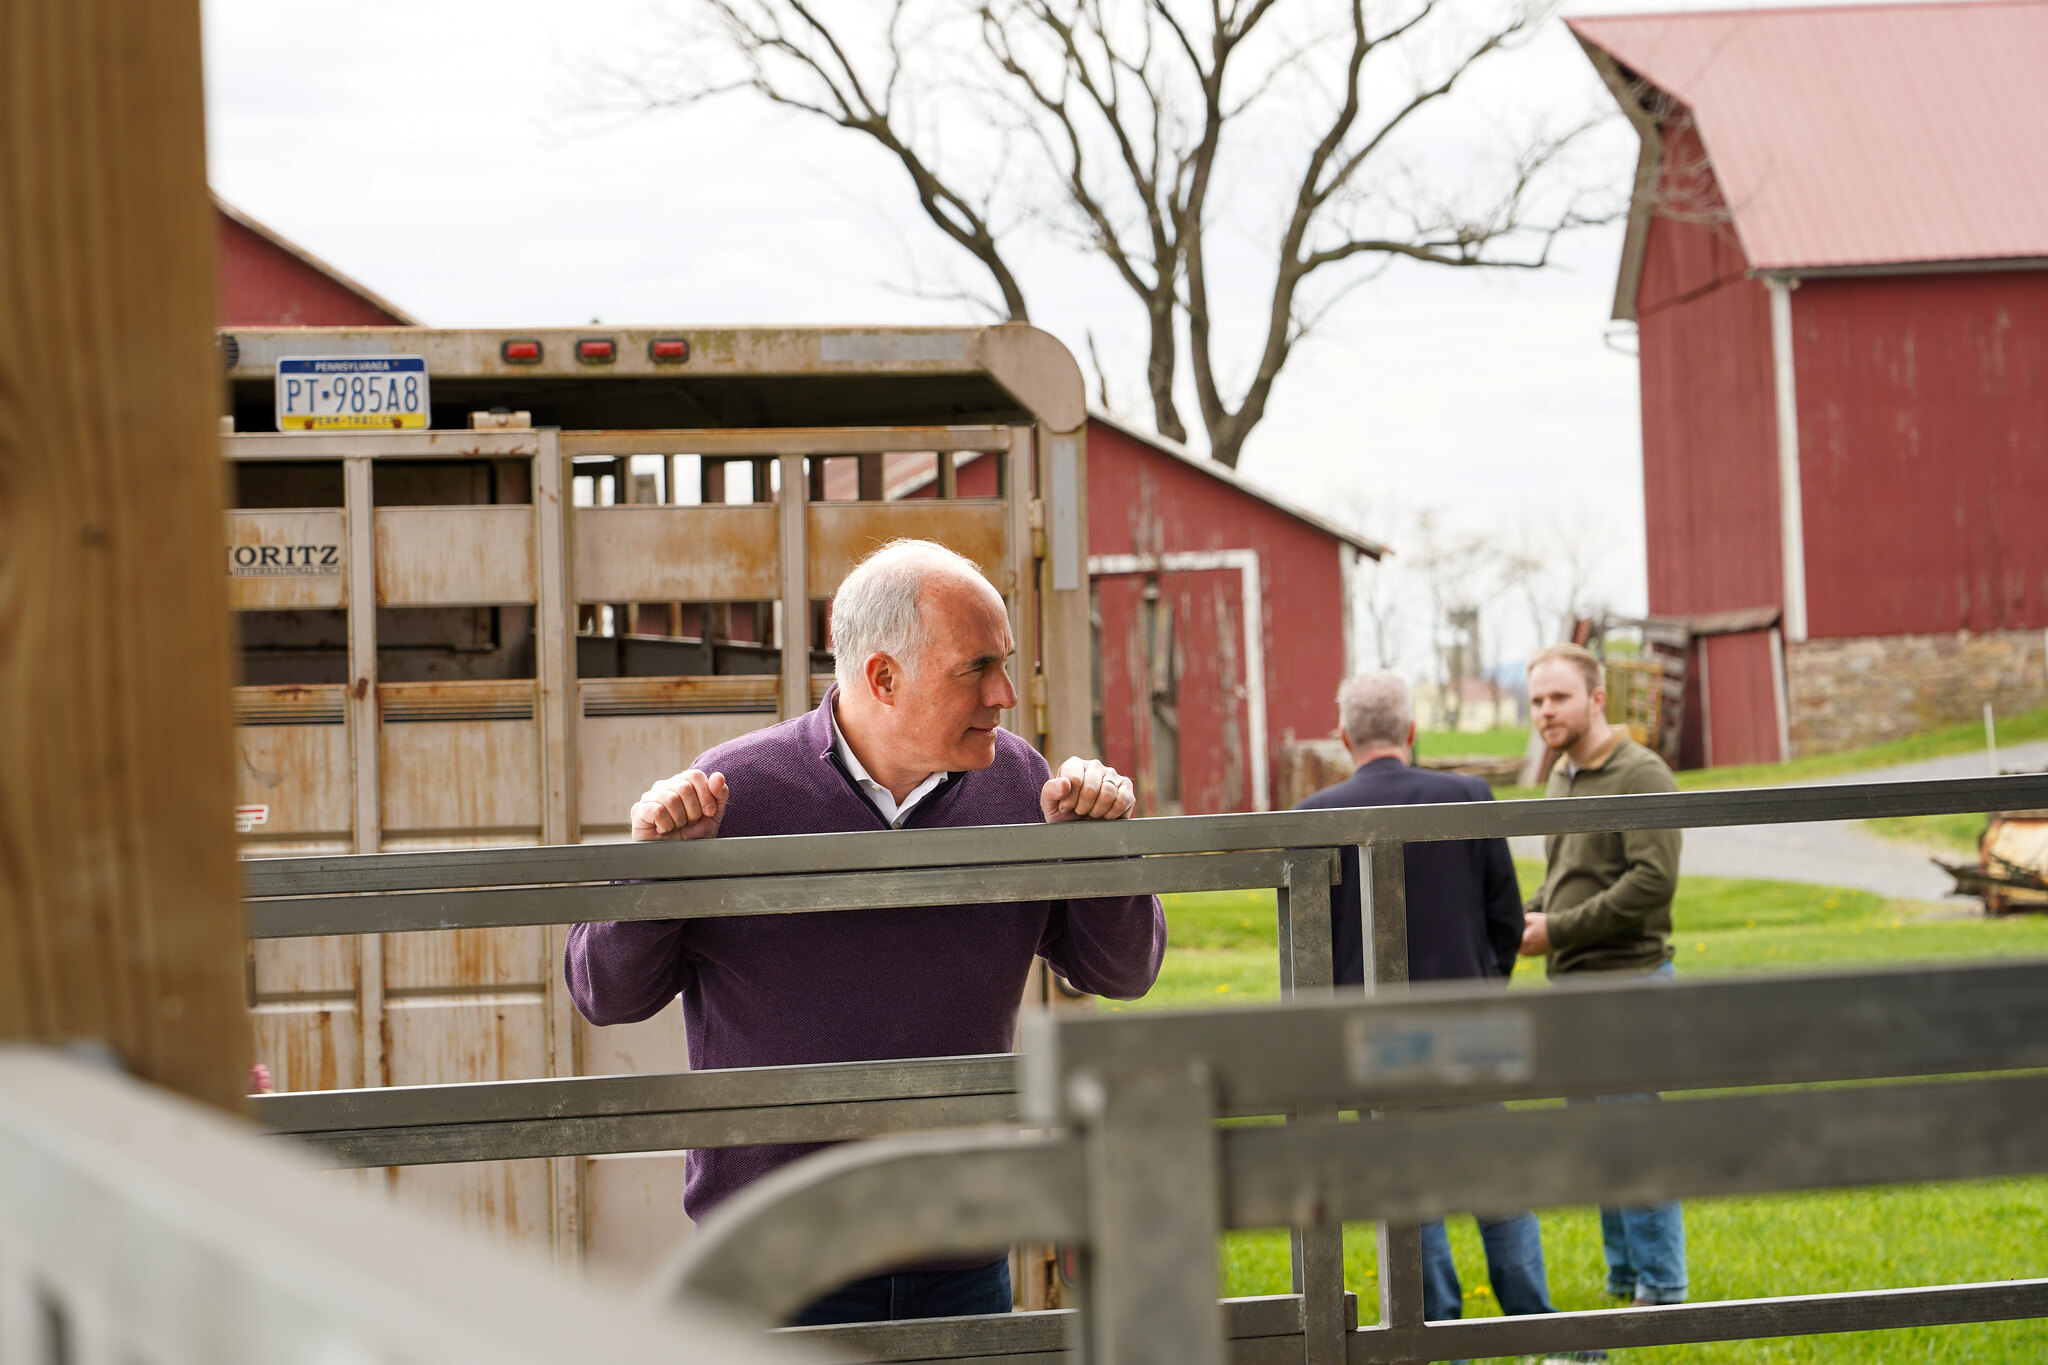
{"x": 426, "y": 150}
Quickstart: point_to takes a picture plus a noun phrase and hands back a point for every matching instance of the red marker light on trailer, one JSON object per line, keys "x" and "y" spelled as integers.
{"x": 520, "y": 352}
{"x": 596, "y": 351}
{"x": 669, "y": 350}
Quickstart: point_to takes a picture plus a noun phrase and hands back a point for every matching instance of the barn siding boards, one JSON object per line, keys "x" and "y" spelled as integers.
{"x": 1146, "y": 501}
{"x": 1710, "y": 498}
{"x": 262, "y": 280}
{"x": 119, "y": 913}
{"x": 1923, "y": 433}
{"x": 1742, "y": 697}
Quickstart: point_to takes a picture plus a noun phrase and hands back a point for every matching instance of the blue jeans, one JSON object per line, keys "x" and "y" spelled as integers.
{"x": 1514, "y": 1266}
{"x": 913, "y": 1294}
{"x": 1644, "y": 1243}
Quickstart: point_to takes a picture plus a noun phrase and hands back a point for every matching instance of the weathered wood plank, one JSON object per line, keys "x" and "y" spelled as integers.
{"x": 118, "y": 918}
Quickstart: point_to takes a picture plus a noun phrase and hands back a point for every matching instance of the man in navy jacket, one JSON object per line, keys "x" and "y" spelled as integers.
{"x": 1464, "y": 921}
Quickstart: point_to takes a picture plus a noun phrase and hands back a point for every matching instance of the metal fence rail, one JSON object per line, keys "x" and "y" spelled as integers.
{"x": 342, "y": 875}
{"x": 1135, "y": 1170}
{"x": 138, "y": 1229}
{"x": 1293, "y": 852}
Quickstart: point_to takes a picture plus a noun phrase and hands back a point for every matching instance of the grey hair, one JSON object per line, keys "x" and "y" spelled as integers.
{"x": 1375, "y": 710}
{"x": 876, "y": 610}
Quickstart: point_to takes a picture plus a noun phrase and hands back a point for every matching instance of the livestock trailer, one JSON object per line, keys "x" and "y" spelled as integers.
{"x": 597, "y": 553}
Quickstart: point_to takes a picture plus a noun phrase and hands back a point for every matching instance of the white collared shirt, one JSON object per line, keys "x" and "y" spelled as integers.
{"x": 884, "y": 799}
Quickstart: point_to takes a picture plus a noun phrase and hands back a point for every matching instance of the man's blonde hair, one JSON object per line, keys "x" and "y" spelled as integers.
{"x": 1579, "y": 657}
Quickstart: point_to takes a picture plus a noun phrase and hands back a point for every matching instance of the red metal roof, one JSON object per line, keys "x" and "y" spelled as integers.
{"x": 1860, "y": 136}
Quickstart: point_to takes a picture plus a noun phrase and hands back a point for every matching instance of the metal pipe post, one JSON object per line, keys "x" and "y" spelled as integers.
{"x": 1383, "y": 904}
{"x": 1316, "y": 1251}
{"x": 1155, "y": 1211}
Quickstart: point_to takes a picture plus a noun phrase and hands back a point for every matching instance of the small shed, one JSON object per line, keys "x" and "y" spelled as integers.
{"x": 1223, "y": 622}
{"x": 1834, "y": 263}
{"x": 1221, "y": 615}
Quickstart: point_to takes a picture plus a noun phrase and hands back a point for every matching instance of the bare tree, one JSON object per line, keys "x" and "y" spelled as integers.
{"x": 1148, "y": 123}
{"x": 1554, "y": 570}
{"x": 1377, "y": 591}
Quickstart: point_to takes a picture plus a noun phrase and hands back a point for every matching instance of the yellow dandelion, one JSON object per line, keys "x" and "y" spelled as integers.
{"x": 1223, "y": 989}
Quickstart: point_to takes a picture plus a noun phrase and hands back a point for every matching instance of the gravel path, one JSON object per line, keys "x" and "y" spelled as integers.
{"x": 1836, "y": 852}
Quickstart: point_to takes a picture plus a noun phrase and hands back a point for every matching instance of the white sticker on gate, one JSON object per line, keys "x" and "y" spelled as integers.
{"x": 1457, "y": 1049}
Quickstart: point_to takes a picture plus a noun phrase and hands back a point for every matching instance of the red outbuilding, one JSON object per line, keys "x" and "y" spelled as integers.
{"x": 1835, "y": 264}
{"x": 263, "y": 280}
{"x": 1222, "y": 618}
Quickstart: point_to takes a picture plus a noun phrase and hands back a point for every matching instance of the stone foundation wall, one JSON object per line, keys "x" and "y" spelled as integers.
{"x": 1843, "y": 694}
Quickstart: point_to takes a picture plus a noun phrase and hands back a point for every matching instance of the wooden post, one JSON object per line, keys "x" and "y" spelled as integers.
{"x": 120, "y": 918}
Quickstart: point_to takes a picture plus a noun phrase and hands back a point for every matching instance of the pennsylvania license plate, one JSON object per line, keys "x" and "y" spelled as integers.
{"x": 352, "y": 393}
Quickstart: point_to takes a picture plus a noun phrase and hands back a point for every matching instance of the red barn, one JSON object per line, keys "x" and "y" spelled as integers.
{"x": 1834, "y": 262}
{"x": 262, "y": 280}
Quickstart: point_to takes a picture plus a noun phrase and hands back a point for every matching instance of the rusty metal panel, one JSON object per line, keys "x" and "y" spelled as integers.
{"x": 841, "y": 534}
{"x": 499, "y": 1035}
{"x": 656, "y": 553}
{"x": 297, "y": 772}
{"x": 817, "y": 441}
{"x": 469, "y": 765}
{"x": 466, "y": 957}
{"x": 282, "y": 559}
{"x": 504, "y": 1201}
{"x": 698, "y": 695}
{"x": 621, "y": 755}
{"x": 304, "y": 966}
{"x": 304, "y": 1012}
{"x": 310, "y": 1044}
{"x": 635, "y": 1215}
{"x": 633, "y": 1206}
{"x": 469, "y": 556}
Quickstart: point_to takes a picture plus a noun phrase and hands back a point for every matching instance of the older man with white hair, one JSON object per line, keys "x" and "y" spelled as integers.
{"x": 907, "y": 738}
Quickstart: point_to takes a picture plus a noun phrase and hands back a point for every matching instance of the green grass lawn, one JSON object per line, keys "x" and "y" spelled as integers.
{"x": 1222, "y": 951}
{"x": 1953, "y": 739}
{"x": 1503, "y": 743}
{"x": 1950, "y": 836}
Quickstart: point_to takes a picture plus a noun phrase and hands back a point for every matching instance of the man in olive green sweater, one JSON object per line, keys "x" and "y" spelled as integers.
{"x": 1605, "y": 907}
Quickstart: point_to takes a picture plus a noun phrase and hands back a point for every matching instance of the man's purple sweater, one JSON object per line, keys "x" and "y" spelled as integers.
{"x": 853, "y": 985}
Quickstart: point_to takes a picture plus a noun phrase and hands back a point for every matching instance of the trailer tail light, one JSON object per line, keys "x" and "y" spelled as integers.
{"x": 668, "y": 350}
{"x": 596, "y": 351}
{"x": 520, "y": 352}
